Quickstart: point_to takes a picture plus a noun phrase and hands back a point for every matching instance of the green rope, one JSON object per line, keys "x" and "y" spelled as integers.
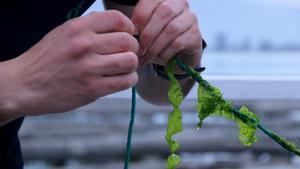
{"x": 278, "y": 139}
{"x": 289, "y": 146}
{"x": 281, "y": 141}
{"x": 130, "y": 129}
{"x": 74, "y": 13}
{"x": 131, "y": 123}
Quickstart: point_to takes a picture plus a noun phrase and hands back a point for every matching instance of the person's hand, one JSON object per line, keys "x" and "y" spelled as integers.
{"x": 76, "y": 63}
{"x": 167, "y": 28}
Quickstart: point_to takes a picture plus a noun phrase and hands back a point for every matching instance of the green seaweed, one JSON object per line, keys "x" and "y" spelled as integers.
{"x": 211, "y": 103}
{"x": 175, "y": 118}
{"x": 173, "y": 161}
{"x": 248, "y": 122}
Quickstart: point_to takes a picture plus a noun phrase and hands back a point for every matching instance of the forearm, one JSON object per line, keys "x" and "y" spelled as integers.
{"x": 8, "y": 95}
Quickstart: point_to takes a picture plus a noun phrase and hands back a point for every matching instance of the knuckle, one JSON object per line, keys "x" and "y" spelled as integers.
{"x": 172, "y": 28}
{"x": 196, "y": 32}
{"x": 124, "y": 82}
{"x": 74, "y": 26}
{"x": 92, "y": 87}
{"x": 131, "y": 61}
{"x": 89, "y": 88}
{"x": 118, "y": 18}
{"x": 80, "y": 45}
{"x": 193, "y": 16}
{"x": 185, "y": 3}
{"x": 178, "y": 44}
{"x": 139, "y": 16}
{"x": 88, "y": 66}
{"x": 96, "y": 14}
{"x": 117, "y": 64}
{"x": 125, "y": 41}
{"x": 165, "y": 11}
{"x": 126, "y": 63}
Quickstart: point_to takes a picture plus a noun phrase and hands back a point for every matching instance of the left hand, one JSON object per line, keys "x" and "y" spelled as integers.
{"x": 167, "y": 28}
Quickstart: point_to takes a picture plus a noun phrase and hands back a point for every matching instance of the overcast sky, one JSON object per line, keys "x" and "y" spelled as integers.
{"x": 274, "y": 20}
{"x": 277, "y": 21}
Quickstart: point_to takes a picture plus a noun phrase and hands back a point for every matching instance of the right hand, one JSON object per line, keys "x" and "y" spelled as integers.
{"x": 76, "y": 63}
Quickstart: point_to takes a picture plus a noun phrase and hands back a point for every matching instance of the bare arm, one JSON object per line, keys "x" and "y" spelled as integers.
{"x": 8, "y": 96}
{"x": 151, "y": 87}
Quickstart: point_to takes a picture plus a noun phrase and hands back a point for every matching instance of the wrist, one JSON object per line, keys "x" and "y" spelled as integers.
{"x": 9, "y": 92}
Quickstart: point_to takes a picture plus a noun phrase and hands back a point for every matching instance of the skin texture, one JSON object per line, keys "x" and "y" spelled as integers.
{"x": 73, "y": 65}
{"x": 167, "y": 28}
{"x": 84, "y": 59}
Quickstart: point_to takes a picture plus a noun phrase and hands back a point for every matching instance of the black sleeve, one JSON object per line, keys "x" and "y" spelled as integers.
{"x": 126, "y": 2}
{"x": 10, "y": 150}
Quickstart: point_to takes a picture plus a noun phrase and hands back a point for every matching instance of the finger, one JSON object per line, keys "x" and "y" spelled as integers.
{"x": 109, "y": 21}
{"x": 188, "y": 43}
{"x": 114, "y": 64}
{"x": 143, "y": 11}
{"x": 162, "y": 15}
{"x": 116, "y": 42}
{"x": 118, "y": 83}
{"x": 176, "y": 27}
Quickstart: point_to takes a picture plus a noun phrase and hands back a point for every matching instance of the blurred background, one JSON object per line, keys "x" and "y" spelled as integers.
{"x": 253, "y": 55}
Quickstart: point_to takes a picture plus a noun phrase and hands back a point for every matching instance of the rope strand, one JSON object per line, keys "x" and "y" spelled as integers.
{"x": 289, "y": 146}
{"x": 130, "y": 129}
